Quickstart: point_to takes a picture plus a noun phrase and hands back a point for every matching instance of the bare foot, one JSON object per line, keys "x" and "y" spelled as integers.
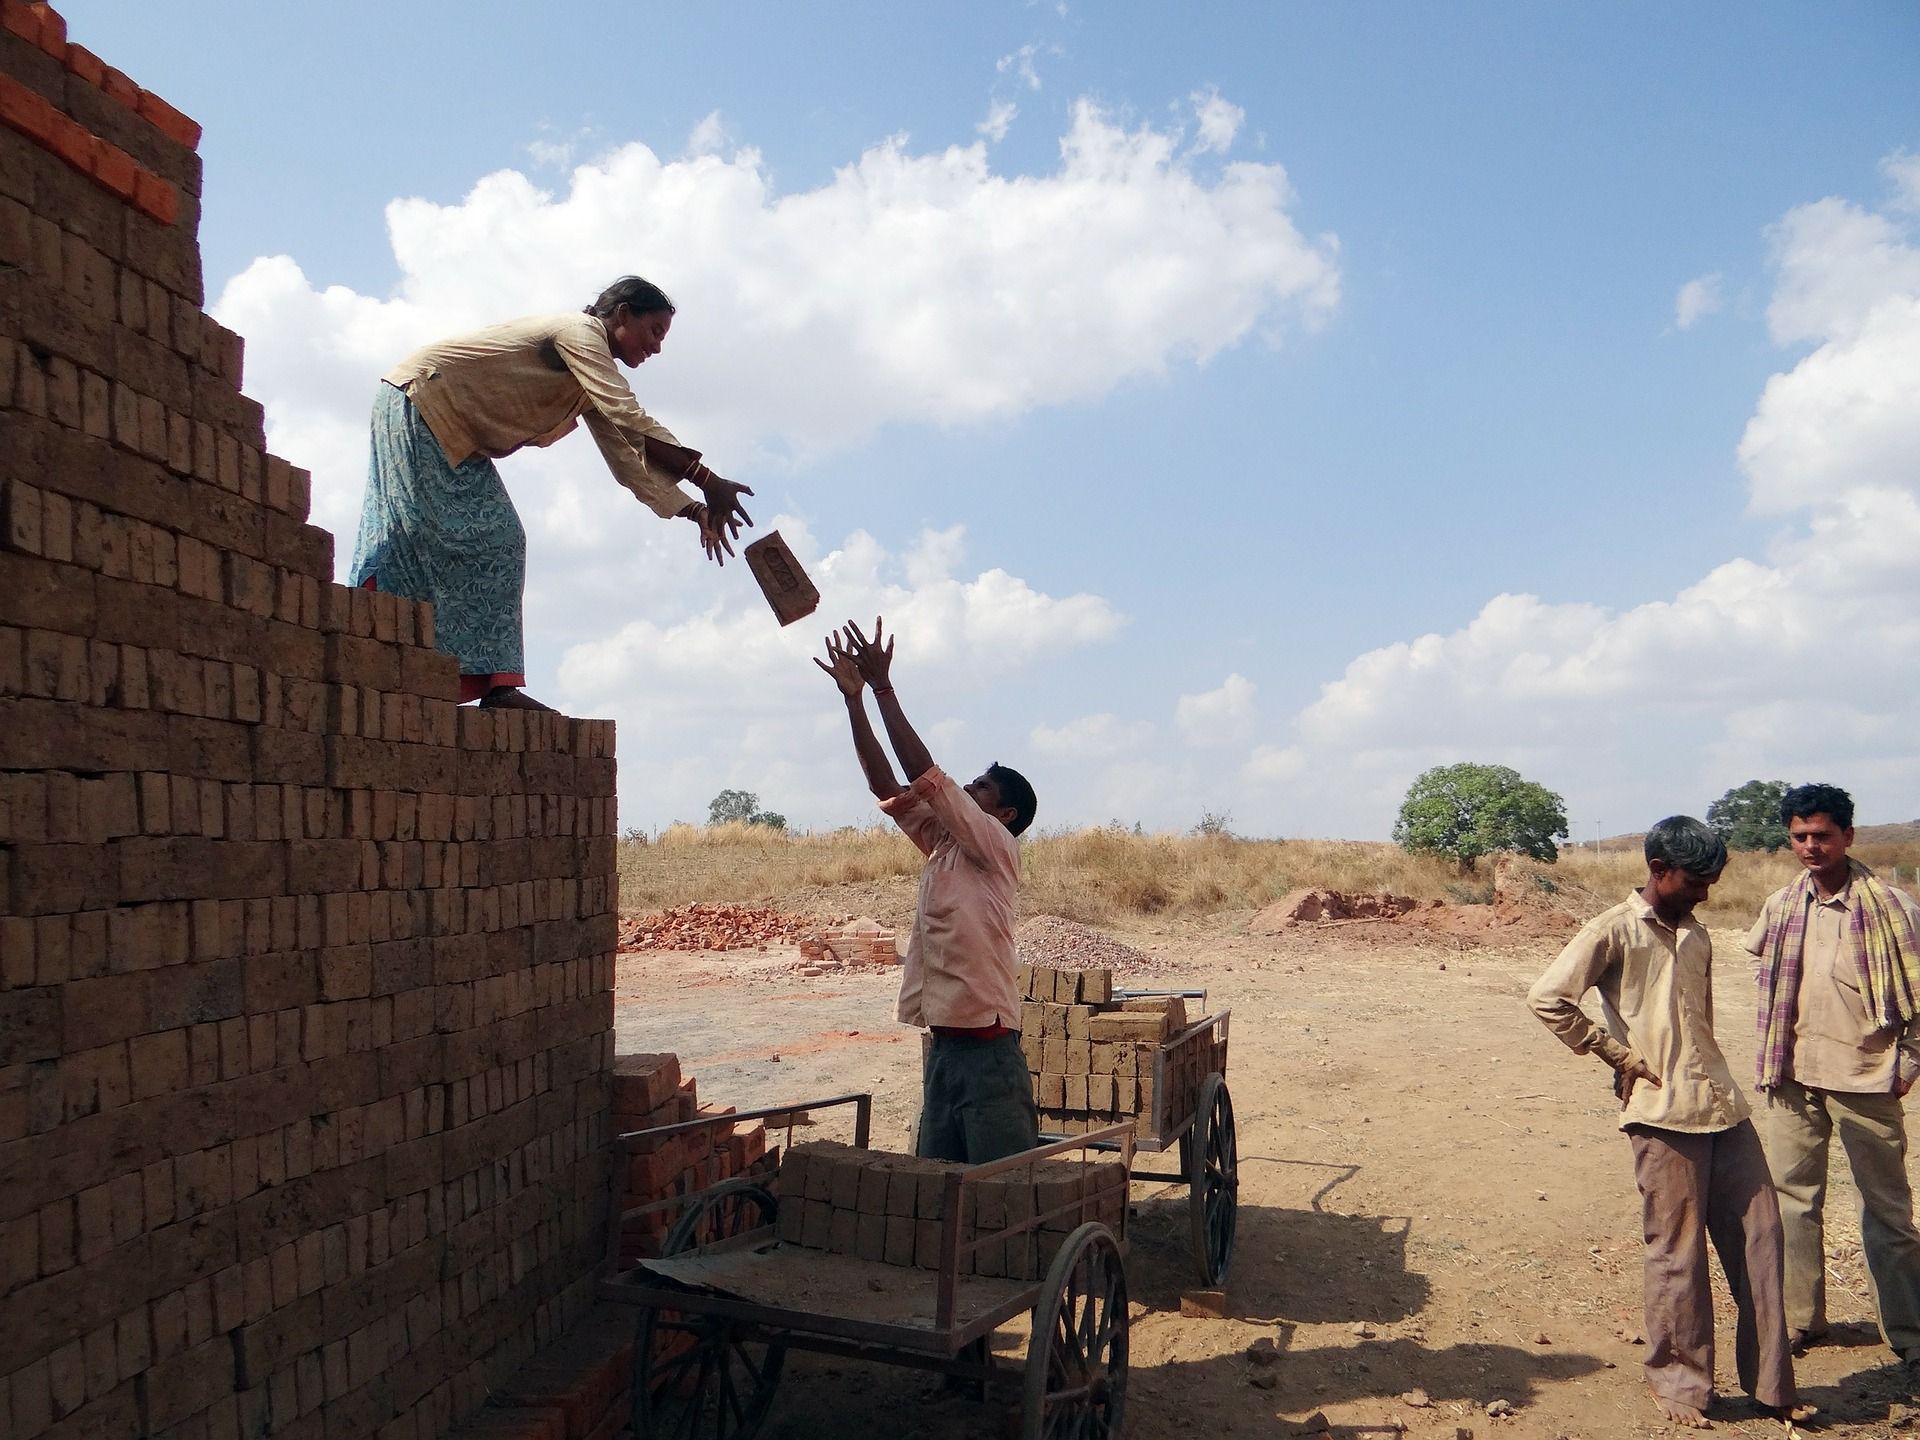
{"x": 1681, "y": 1414}
{"x": 510, "y": 697}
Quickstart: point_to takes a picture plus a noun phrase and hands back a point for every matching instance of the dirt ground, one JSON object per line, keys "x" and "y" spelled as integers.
{"x": 1434, "y": 1195}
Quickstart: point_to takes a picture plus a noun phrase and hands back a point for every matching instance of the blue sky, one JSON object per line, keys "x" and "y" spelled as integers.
{"x": 1358, "y": 318}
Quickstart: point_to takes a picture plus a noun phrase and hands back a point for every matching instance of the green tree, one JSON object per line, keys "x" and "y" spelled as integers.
{"x": 1466, "y": 811}
{"x": 742, "y": 807}
{"x": 732, "y": 805}
{"x": 1747, "y": 817}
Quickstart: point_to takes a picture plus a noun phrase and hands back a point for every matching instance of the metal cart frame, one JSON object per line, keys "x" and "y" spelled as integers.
{"x": 708, "y": 1353}
{"x": 1207, "y": 1141}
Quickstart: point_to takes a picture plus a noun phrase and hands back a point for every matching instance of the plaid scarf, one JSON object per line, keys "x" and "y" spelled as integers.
{"x": 1884, "y": 947}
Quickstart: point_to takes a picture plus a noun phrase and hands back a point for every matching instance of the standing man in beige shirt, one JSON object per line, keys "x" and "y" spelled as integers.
{"x": 1696, "y": 1159}
{"x": 1839, "y": 1048}
{"x": 960, "y": 981}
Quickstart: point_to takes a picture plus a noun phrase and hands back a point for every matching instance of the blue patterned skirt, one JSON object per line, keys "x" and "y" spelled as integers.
{"x": 444, "y": 533}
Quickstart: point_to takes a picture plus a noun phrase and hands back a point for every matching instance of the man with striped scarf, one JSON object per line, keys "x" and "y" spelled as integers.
{"x": 1839, "y": 1047}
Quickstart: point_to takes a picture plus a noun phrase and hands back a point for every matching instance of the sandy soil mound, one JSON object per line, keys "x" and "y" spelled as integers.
{"x": 1529, "y": 902}
{"x": 1310, "y": 907}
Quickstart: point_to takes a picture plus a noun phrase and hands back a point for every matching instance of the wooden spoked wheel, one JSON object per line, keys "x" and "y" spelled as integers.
{"x": 1076, "y": 1378}
{"x": 1212, "y": 1158}
{"x": 701, "y": 1377}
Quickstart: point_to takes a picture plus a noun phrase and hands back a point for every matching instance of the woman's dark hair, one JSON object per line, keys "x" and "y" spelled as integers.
{"x": 1803, "y": 802}
{"x": 636, "y": 294}
{"x": 1015, "y": 791}
{"x": 1684, "y": 843}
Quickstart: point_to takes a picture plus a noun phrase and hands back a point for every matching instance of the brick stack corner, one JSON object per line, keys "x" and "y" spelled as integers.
{"x": 305, "y": 973}
{"x": 664, "y": 1172}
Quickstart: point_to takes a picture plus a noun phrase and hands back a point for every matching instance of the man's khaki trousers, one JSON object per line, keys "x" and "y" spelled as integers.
{"x": 1800, "y": 1124}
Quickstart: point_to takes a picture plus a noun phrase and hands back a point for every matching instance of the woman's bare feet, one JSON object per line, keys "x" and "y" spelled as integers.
{"x": 511, "y": 697}
{"x": 1681, "y": 1414}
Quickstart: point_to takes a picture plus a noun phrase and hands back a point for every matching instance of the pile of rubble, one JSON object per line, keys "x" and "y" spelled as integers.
{"x": 702, "y": 926}
{"x": 1320, "y": 907}
{"x": 1049, "y": 941}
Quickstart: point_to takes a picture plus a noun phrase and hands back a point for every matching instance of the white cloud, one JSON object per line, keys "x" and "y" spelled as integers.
{"x": 550, "y": 154}
{"x": 1802, "y": 664}
{"x": 1020, "y": 65}
{"x": 912, "y": 287}
{"x": 828, "y": 315}
{"x": 1091, "y": 737}
{"x": 1218, "y": 122}
{"x": 1698, "y": 297}
{"x": 1903, "y": 169}
{"x": 1275, "y": 764}
{"x": 722, "y": 696}
{"x": 1217, "y": 717}
{"x": 1000, "y": 118}
{"x": 710, "y": 136}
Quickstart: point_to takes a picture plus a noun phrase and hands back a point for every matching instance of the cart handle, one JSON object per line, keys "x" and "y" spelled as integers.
{"x": 1219, "y": 1018}
{"x": 862, "y": 1101}
{"x": 1200, "y": 995}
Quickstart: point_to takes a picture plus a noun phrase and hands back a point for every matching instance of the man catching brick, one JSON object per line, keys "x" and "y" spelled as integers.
{"x": 976, "y": 1102}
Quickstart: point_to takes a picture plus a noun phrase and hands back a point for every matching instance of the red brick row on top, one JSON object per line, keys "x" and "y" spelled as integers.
{"x": 42, "y": 26}
{"x": 108, "y": 165}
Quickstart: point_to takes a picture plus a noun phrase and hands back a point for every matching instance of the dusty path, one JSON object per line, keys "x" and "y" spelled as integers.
{"x": 1433, "y": 1196}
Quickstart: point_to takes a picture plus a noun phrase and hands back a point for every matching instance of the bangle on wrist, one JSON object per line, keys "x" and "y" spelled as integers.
{"x": 883, "y": 689}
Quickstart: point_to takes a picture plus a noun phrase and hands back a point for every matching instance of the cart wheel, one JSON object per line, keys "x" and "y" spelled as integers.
{"x": 701, "y": 1374}
{"x": 728, "y": 1209}
{"x": 1213, "y": 1177}
{"x": 1076, "y": 1383}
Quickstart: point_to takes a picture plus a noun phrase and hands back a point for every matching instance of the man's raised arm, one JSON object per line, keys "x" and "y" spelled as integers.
{"x": 873, "y": 758}
{"x": 875, "y": 663}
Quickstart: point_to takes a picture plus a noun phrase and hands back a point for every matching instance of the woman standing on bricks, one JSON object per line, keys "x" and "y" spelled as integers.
{"x": 437, "y": 523}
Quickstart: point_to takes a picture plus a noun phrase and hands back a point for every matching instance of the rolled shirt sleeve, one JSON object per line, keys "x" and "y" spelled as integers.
{"x": 915, "y": 818}
{"x": 615, "y": 420}
{"x": 1555, "y": 996}
{"x": 982, "y": 838}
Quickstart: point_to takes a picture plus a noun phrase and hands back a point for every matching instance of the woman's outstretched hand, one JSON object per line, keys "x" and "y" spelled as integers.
{"x": 723, "y": 503}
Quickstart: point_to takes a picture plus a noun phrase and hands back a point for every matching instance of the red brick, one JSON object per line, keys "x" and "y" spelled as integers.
{"x": 87, "y": 65}
{"x": 23, "y": 110}
{"x": 22, "y": 19}
{"x": 53, "y": 31}
{"x": 114, "y": 169}
{"x": 167, "y": 120}
{"x": 71, "y": 141}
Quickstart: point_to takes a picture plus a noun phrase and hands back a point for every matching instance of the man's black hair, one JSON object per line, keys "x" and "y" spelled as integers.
{"x": 1687, "y": 844}
{"x": 1803, "y": 802}
{"x": 1015, "y": 791}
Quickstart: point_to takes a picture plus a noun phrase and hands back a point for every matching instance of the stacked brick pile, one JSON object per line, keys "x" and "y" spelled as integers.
{"x": 305, "y": 974}
{"x": 857, "y": 942}
{"x": 889, "y": 1208}
{"x": 1095, "y": 1061}
{"x": 664, "y": 1172}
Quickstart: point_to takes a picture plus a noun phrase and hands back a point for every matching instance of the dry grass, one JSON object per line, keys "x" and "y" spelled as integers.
{"x": 1748, "y": 879}
{"x": 1107, "y": 874}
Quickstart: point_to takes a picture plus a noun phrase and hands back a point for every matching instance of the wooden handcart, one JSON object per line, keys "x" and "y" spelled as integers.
{"x": 1183, "y": 1104}
{"x": 719, "y": 1309}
